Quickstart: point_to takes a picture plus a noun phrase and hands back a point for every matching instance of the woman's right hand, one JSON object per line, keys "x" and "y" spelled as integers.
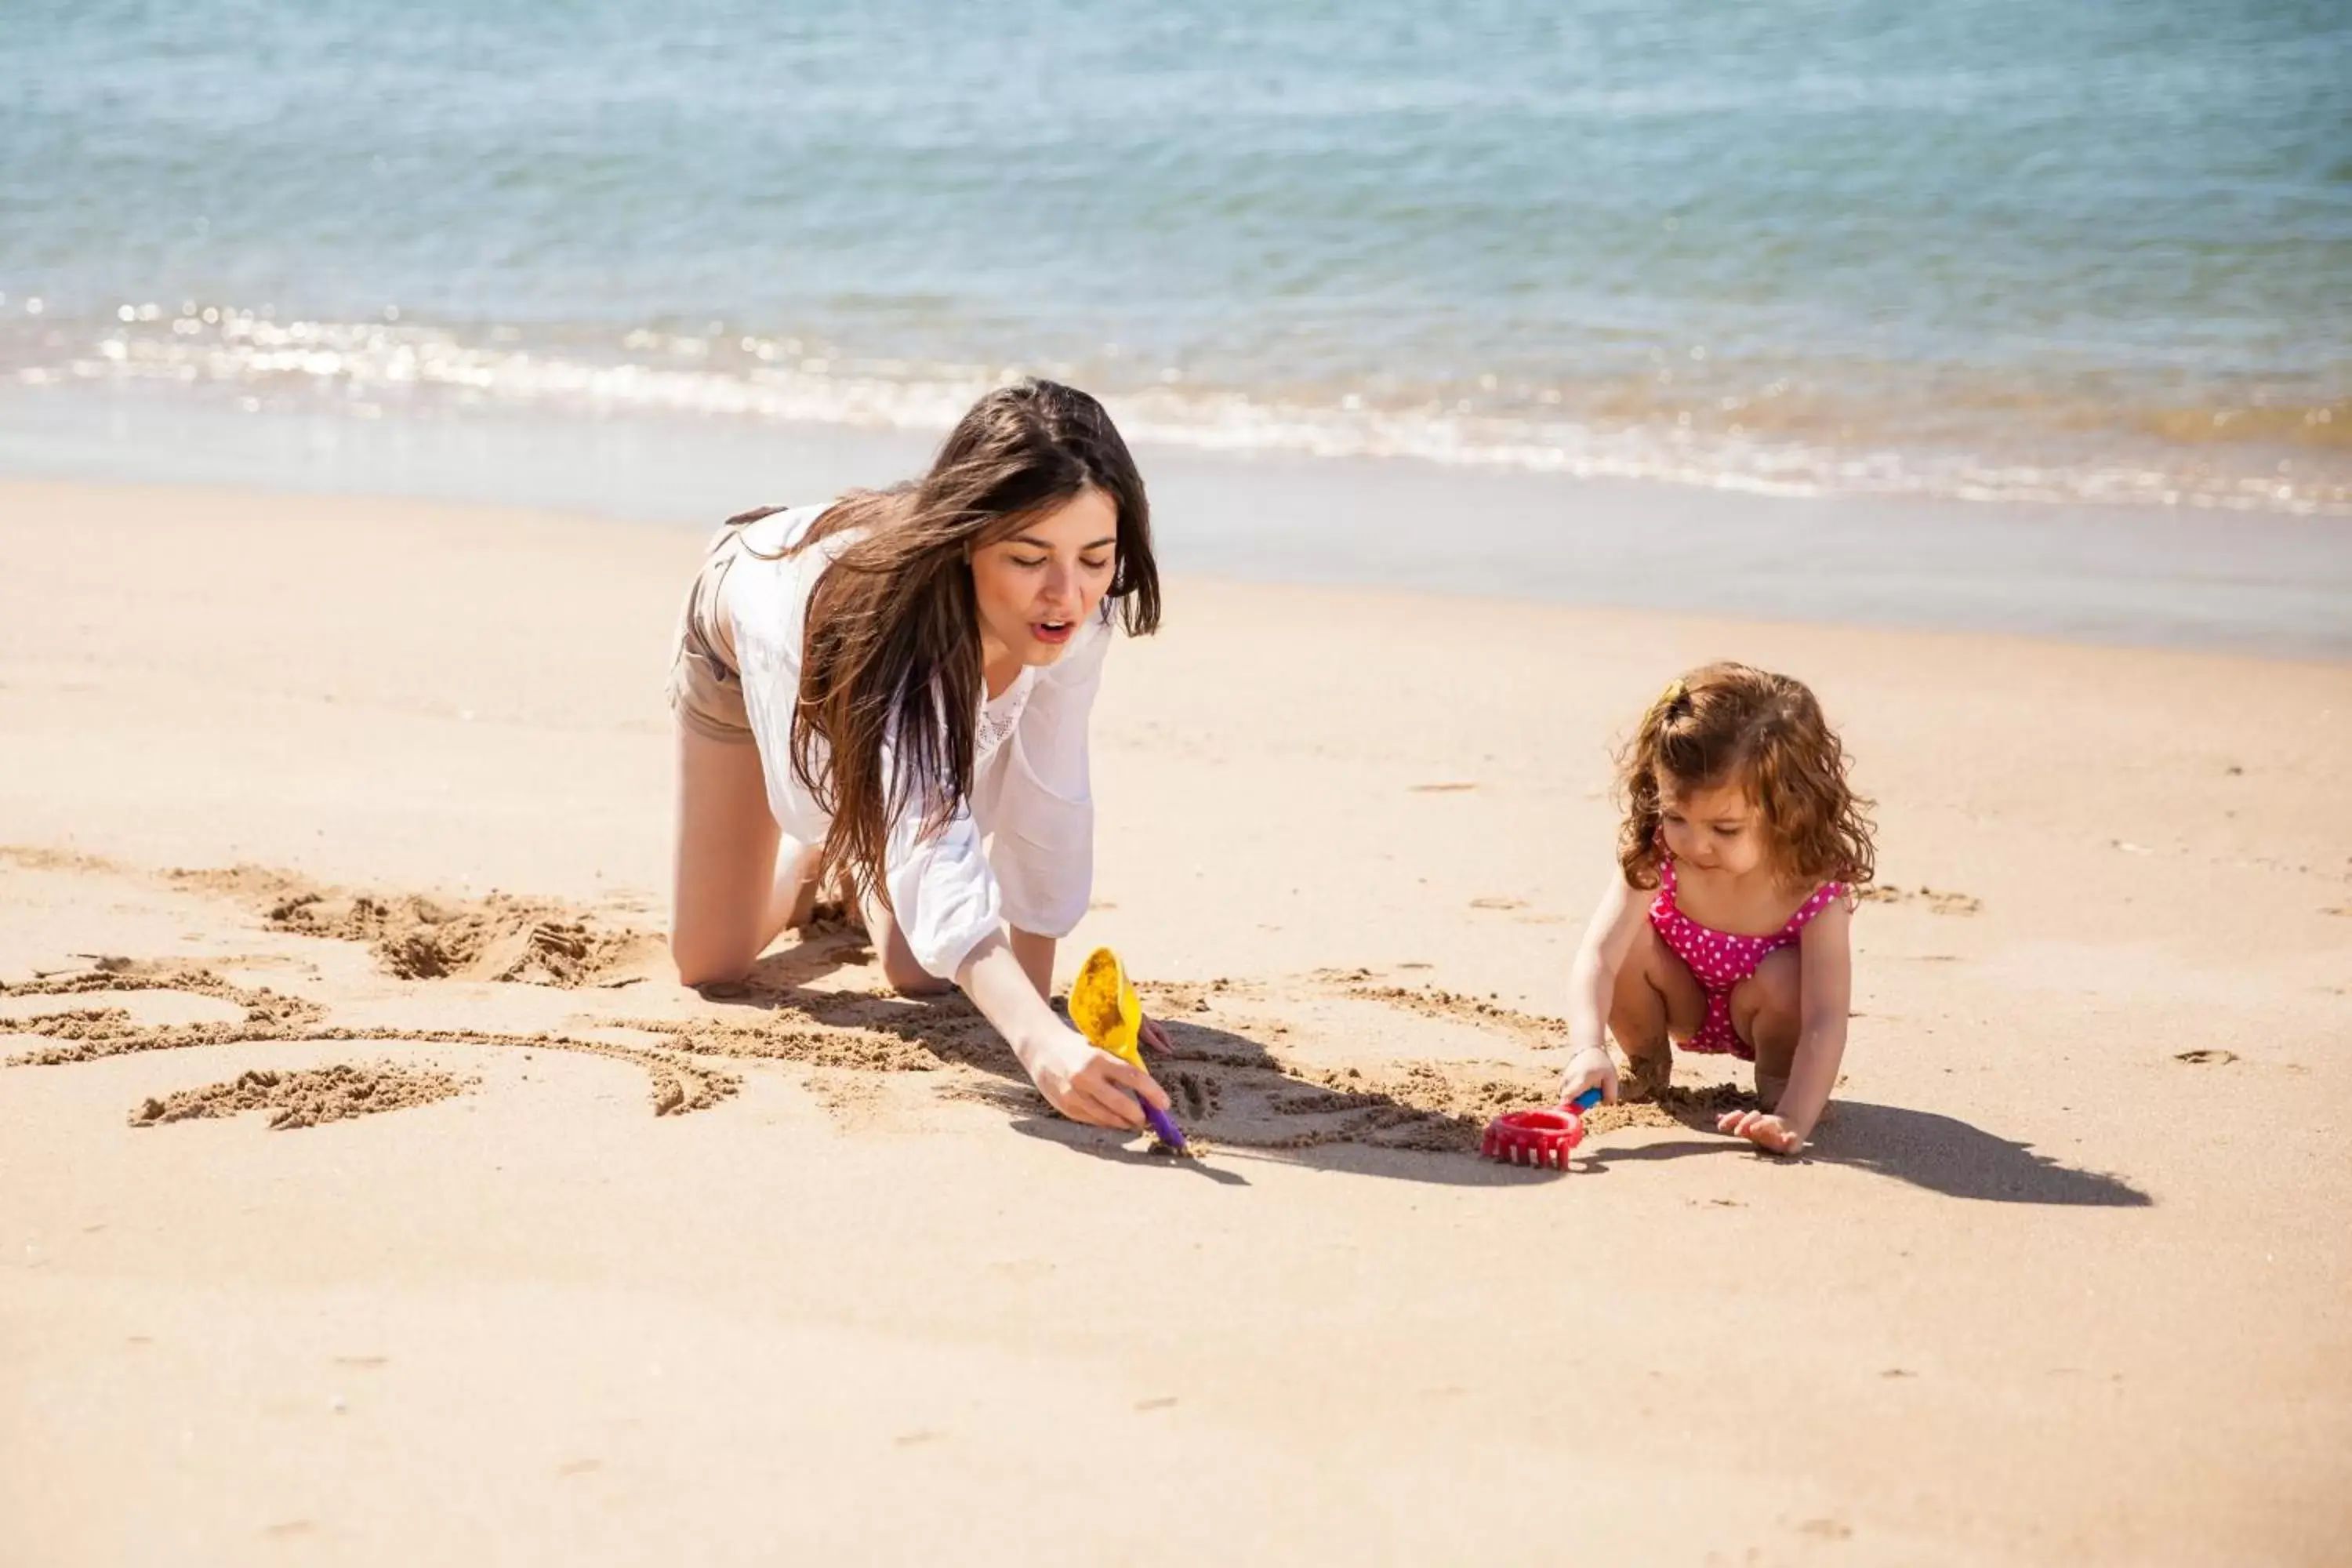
{"x": 1090, "y": 1086}
{"x": 1592, "y": 1066}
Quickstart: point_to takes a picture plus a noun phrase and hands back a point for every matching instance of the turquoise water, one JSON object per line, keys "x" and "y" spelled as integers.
{"x": 2091, "y": 251}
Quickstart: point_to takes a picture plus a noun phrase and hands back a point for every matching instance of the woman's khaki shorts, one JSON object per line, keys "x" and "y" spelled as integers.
{"x": 706, "y": 690}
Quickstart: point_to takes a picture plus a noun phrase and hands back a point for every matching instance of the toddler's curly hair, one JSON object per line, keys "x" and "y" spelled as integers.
{"x": 1727, "y": 722}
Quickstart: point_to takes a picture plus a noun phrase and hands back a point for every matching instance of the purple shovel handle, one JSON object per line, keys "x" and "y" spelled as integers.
{"x": 1162, "y": 1124}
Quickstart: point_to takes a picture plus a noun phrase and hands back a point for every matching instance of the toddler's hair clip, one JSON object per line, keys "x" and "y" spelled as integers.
{"x": 1674, "y": 692}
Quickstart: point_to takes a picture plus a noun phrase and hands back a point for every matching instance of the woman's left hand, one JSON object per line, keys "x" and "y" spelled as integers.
{"x": 1151, "y": 1036}
{"x": 1768, "y": 1133}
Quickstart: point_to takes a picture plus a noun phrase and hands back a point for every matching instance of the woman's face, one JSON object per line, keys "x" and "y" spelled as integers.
{"x": 1037, "y": 586}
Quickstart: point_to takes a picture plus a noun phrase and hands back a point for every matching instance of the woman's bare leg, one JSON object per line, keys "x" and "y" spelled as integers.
{"x": 728, "y": 902}
{"x": 906, "y": 976}
{"x": 1658, "y": 1000}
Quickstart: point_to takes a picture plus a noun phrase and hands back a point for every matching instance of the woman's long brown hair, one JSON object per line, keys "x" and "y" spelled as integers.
{"x": 892, "y": 653}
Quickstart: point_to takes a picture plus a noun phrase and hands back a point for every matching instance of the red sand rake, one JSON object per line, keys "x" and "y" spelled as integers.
{"x": 1538, "y": 1137}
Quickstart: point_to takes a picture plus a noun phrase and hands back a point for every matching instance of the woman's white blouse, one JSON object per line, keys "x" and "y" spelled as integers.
{"x": 1020, "y": 850}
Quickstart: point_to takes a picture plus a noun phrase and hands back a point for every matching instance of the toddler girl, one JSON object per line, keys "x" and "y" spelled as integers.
{"x": 1726, "y": 926}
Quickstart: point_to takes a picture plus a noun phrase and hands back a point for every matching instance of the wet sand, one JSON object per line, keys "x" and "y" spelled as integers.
{"x": 2185, "y": 576}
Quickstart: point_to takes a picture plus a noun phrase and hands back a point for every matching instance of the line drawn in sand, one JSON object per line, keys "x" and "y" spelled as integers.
{"x": 91, "y": 1034}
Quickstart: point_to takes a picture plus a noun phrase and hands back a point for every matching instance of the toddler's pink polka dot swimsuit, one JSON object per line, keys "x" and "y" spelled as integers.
{"x": 1721, "y": 960}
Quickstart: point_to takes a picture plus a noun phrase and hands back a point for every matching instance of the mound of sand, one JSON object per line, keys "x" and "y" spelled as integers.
{"x": 310, "y": 1098}
{"x": 416, "y": 936}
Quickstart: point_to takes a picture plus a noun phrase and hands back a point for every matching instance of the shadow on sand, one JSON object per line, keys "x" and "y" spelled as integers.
{"x": 1419, "y": 1123}
{"x": 1941, "y": 1153}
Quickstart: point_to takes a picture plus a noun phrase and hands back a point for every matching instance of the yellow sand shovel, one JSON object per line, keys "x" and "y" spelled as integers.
{"x": 1105, "y": 1007}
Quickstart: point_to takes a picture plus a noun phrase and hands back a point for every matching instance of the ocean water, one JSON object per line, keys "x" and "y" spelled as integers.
{"x": 2098, "y": 251}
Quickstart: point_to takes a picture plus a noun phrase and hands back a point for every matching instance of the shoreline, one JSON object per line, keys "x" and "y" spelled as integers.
{"x": 2269, "y": 585}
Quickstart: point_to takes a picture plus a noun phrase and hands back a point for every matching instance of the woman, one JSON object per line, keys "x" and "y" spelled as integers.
{"x": 871, "y": 687}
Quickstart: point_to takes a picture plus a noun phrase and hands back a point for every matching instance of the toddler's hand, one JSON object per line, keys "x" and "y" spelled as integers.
{"x": 1592, "y": 1067}
{"x": 1768, "y": 1133}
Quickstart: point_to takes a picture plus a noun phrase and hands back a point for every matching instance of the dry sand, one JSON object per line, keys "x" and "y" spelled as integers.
{"x": 323, "y": 807}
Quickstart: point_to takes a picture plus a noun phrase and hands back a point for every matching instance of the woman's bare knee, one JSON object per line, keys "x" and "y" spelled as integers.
{"x": 920, "y": 987}
{"x": 906, "y": 976}
{"x": 703, "y": 960}
{"x": 909, "y": 978}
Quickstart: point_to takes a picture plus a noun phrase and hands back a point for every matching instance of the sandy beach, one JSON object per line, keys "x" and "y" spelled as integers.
{"x": 371, "y": 1192}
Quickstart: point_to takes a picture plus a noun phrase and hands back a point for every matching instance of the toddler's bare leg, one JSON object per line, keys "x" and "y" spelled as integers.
{"x": 1765, "y": 1012}
{"x": 1657, "y": 999}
